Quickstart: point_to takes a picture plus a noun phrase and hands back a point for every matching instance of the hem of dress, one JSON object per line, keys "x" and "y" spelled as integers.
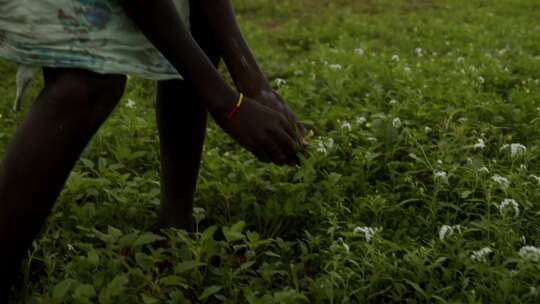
{"x": 109, "y": 67}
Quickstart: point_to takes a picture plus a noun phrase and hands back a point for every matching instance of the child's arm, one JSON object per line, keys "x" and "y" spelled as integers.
{"x": 245, "y": 71}
{"x": 261, "y": 130}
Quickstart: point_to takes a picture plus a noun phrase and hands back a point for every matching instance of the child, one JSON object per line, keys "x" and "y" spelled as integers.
{"x": 85, "y": 47}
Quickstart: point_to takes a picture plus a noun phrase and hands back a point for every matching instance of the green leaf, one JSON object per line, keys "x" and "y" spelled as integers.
{"x": 234, "y": 233}
{"x": 208, "y": 234}
{"x": 147, "y": 238}
{"x": 114, "y": 288}
{"x": 61, "y": 289}
{"x": 84, "y": 292}
{"x": 149, "y": 300}
{"x": 208, "y": 292}
{"x": 187, "y": 266}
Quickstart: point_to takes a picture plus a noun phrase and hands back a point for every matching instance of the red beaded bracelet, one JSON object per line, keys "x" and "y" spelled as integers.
{"x": 236, "y": 107}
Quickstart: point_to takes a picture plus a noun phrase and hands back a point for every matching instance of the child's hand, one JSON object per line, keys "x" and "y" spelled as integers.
{"x": 265, "y": 132}
{"x": 274, "y": 101}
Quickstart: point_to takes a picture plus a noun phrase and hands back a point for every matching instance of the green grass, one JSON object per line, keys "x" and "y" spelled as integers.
{"x": 398, "y": 95}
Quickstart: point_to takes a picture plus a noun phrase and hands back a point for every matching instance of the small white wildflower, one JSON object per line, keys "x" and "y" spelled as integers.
{"x": 462, "y": 120}
{"x": 395, "y": 57}
{"x": 480, "y": 144}
{"x": 516, "y": 149}
{"x": 530, "y": 253}
{"x": 440, "y": 174}
{"x": 70, "y": 247}
{"x": 131, "y": 104}
{"x": 503, "y": 182}
{"x": 509, "y": 202}
{"x": 481, "y": 255}
{"x": 427, "y": 129}
{"x": 483, "y": 170}
{"x": 418, "y": 51}
{"x": 397, "y": 123}
{"x": 346, "y": 125}
{"x": 329, "y": 143}
{"x": 440, "y": 162}
{"x": 460, "y": 59}
{"x": 536, "y": 178}
{"x": 321, "y": 149}
{"x": 481, "y": 79}
{"x": 407, "y": 69}
{"x": 368, "y": 232}
{"x": 359, "y": 51}
{"x": 360, "y": 120}
{"x": 336, "y": 66}
{"x": 447, "y": 230}
{"x": 393, "y": 102}
{"x": 280, "y": 82}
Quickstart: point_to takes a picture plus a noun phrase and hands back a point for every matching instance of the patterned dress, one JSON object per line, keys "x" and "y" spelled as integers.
{"x": 90, "y": 34}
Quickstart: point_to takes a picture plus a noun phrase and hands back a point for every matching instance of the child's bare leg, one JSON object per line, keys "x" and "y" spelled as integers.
{"x": 44, "y": 149}
{"x": 182, "y": 129}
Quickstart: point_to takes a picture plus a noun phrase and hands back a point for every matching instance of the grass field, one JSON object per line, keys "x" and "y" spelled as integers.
{"x": 423, "y": 183}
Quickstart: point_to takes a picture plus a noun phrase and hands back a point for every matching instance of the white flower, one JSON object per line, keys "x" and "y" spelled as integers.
{"x": 329, "y": 142}
{"x": 396, "y": 123}
{"x": 509, "y": 202}
{"x": 440, "y": 174}
{"x": 418, "y": 51}
{"x": 446, "y": 231}
{"x": 393, "y": 102}
{"x": 483, "y": 170}
{"x": 371, "y": 139}
{"x": 395, "y": 57}
{"x": 440, "y": 162}
{"x": 460, "y": 59}
{"x": 516, "y": 149}
{"x": 131, "y": 104}
{"x": 480, "y": 144}
{"x": 324, "y": 144}
{"x": 481, "y": 79}
{"x": 359, "y": 51}
{"x": 335, "y": 66}
{"x": 321, "y": 149}
{"x": 407, "y": 69}
{"x": 280, "y": 82}
{"x": 480, "y": 255}
{"x": 360, "y": 120}
{"x": 427, "y": 129}
{"x": 346, "y": 125}
{"x": 70, "y": 247}
{"x": 368, "y": 232}
{"x": 503, "y": 182}
{"x": 530, "y": 253}
{"x": 536, "y": 178}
